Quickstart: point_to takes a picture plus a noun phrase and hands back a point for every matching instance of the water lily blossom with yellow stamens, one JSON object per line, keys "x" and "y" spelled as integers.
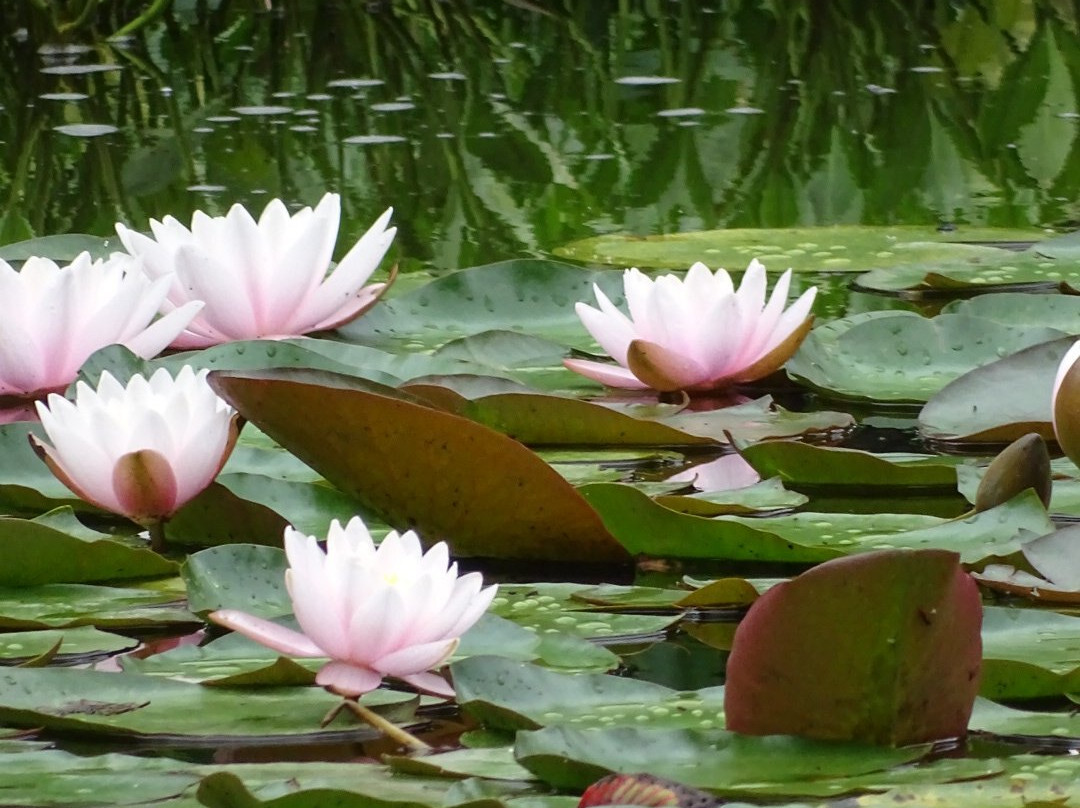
{"x": 695, "y": 333}
{"x": 55, "y": 317}
{"x": 142, "y": 449}
{"x": 393, "y": 610}
{"x": 264, "y": 279}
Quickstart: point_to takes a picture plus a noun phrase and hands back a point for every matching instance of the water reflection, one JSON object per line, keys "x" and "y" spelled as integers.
{"x": 508, "y": 129}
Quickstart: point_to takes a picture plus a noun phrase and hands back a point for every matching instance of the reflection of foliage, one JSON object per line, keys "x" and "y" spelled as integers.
{"x": 875, "y": 113}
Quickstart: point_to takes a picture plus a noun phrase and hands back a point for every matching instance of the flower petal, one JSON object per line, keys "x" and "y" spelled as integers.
{"x": 280, "y": 638}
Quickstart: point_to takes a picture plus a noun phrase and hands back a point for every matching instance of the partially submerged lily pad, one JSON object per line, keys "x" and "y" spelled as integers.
{"x": 803, "y": 249}
{"x": 902, "y": 357}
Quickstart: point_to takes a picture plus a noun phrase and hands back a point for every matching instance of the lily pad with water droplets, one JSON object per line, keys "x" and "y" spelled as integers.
{"x": 803, "y": 249}
{"x": 998, "y": 402}
{"x": 902, "y": 357}
{"x": 69, "y": 605}
{"x": 1057, "y": 726}
{"x": 1019, "y": 309}
{"x": 528, "y": 295}
{"x": 127, "y": 705}
{"x": 1029, "y": 654}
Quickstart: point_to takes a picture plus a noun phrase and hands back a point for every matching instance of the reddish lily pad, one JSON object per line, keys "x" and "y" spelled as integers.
{"x": 882, "y": 647}
{"x": 421, "y": 467}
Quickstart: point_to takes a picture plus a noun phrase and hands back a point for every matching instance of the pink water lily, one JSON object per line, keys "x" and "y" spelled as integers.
{"x": 388, "y": 611}
{"x": 142, "y": 449}
{"x": 55, "y": 317}
{"x": 694, "y": 333}
{"x": 264, "y": 279}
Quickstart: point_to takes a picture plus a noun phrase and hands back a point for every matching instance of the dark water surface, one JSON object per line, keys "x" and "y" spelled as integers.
{"x": 504, "y": 129}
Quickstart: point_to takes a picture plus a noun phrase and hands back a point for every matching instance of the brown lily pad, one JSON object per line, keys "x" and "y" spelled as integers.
{"x": 421, "y": 467}
{"x": 882, "y": 647}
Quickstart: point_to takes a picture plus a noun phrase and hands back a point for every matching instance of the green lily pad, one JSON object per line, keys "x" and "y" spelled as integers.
{"x": 803, "y": 249}
{"x": 989, "y": 716}
{"x": 527, "y": 295}
{"x": 645, "y": 526}
{"x": 1019, "y": 309}
{"x": 495, "y": 763}
{"x": 758, "y": 420}
{"x": 147, "y": 707}
{"x": 902, "y": 357}
{"x": 768, "y": 495}
{"x": 309, "y": 507}
{"x": 509, "y": 695}
{"x": 1029, "y": 654}
{"x": 218, "y": 516}
{"x": 973, "y": 273}
{"x": 26, "y": 484}
{"x": 39, "y": 551}
{"x": 510, "y": 503}
{"x": 803, "y": 465}
{"x": 552, "y": 610}
{"x": 999, "y": 402}
{"x": 724, "y": 762}
{"x": 69, "y": 605}
{"x": 71, "y": 643}
{"x": 51, "y": 777}
{"x": 246, "y": 577}
{"x": 61, "y": 248}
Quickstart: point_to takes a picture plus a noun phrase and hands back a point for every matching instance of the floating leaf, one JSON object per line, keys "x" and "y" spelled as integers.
{"x": 999, "y": 402}
{"x": 1029, "y": 654}
{"x": 62, "y": 249}
{"x": 218, "y": 516}
{"x": 882, "y": 648}
{"x": 802, "y": 465}
{"x": 510, "y": 695}
{"x": 508, "y": 504}
{"x": 902, "y": 357}
{"x": 1023, "y": 309}
{"x": 725, "y": 762}
{"x": 67, "y": 605}
{"x": 803, "y": 249}
{"x": 528, "y": 295}
{"x": 37, "y": 551}
{"x": 136, "y": 706}
{"x": 71, "y": 643}
{"x": 1001, "y": 720}
{"x": 238, "y": 576}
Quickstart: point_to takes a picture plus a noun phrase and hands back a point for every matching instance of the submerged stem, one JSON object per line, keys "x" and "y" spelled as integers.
{"x": 387, "y": 728}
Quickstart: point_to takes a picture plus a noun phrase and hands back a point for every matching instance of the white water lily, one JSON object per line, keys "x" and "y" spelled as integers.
{"x": 143, "y": 449}
{"x": 388, "y": 611}
{"x": 54, "y": 317}
{"x": 694, "y": 333}
{"x": 264, "y": 279}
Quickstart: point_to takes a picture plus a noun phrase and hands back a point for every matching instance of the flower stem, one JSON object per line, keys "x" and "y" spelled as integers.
{"x": 157, "y": 536}
{"x": 388, "y": 729}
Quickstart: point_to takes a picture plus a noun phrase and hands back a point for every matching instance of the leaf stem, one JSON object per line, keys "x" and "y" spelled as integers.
{"x": 387, "y": 728}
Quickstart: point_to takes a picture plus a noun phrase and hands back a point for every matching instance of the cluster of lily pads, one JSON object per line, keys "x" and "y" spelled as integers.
{"x": 450, "y": 409}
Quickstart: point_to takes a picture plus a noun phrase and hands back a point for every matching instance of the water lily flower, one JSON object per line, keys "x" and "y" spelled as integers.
{"x": 55, "y": 317}
{"x": 388, "y": 611}
{"x": 1065, "y": 404}
{"x": 264, "y": 279}
{"x": 142, "y": 450}
{"x": 695, "y": 333}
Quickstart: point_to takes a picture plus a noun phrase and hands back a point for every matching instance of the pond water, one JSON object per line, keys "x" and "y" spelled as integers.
{"x": 509, "y": 130}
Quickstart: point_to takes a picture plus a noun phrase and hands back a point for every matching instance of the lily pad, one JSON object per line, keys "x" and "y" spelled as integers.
{"x": 246, "y": 577}
{"x": 509, "y": 504}
{"x": 553, "y": 609}
{"x": 1029, "y": 654}
{"x": 62, "y": 249}
{"x": 527, "y": 295}
{"x": 510, "y": 695}
{"x": 999, "y": 402}
{"x": 38, "y": 551}
{"x": 763, "y": 497}
{"x": 802, "y": 465}
{"x": 989, "y": 716}
{"x": 69, "y": 605}
{"x": 725, "y": 762}
{"x": 974, "y": 273}
{"x": 902, "y": 357}
{"x": 1024, "y": 309}
{"x": 71, "y": 643}
{"x": 848, "y": 649}
{"x": 803, "y": 249}
{"x": 135, "y": 706}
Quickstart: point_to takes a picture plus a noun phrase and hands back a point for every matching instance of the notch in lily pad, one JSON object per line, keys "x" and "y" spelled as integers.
{"x": 883, "y": 648}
